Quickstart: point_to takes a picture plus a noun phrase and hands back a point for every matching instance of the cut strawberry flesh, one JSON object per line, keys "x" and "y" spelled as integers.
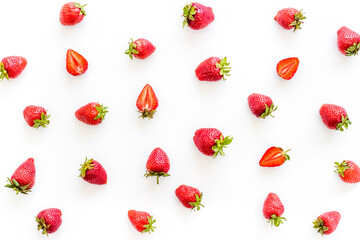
{"x": 147, "y": 99}
{"x": 286, "y": 68}
{"x": 76, "y": 64}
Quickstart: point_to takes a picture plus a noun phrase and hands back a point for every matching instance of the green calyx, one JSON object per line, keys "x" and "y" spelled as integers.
{"x": 319, "y": 224}
{"x": 82, "y": 10}
{"x": 220, "y": 144}
{"x": 101, "y": 112}
{"x": 345, "y": 122}
{"x": 156, "y": 174}
{"x": 297, "y": 22}
{"x": 17, "y": 187}
{"x": 276, "y": 221}
{"x": 189, "y": 12}
{"x": 84, "y": 167}
{"x": 284, "y": 153}
{"x": 224, "y": 67}
{"x": 268, "y": 111}
{"x": 353, "y": 50}
{"x": 3, "y": 72}
{"x": 132, "y": 49}
{"x": 43, "y": 121}
{"x": 147, "y": 114}
{"x": 196, "y": 205}
{"x": 149, "y": 227}
{"x": 42, "y": 225}
{"x": 341, "y": 168}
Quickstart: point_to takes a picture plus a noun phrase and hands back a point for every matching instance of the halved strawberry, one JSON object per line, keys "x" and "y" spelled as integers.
{"x": 274, "y": 157}
{"x": 147, "y": 102}
{"x": 76, "y": 64}
{"x": 286, "y": 68}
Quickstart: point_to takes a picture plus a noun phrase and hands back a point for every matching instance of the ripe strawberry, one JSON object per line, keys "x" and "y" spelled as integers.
{"x": 142, "y": 221}
{"x": 210, "y": 141}
{"x": 334, "y": 117}
{"x": 158, "y": 164}
{"x": 348, "y": 41}
{"x": 261, "y": 105}
{"x": 327, "y": 222}
{"x": 76, "y": 64}
{"x": 197, "y": 16}
{"x": 23, "y": 178}
{"x": 274, "y": 157}
{"x": 49, "y": 220}
{"x": 147, "y": 102}
{"x": 290, "y": 18}
{"x": 92, "y": 113}
{"x": 348, "y": 171}
{"x": 273, "y": 209}
{"x": 190, "y": 197}
{"x": 72, "y": 13}
{"x": 213, "y": 69}
{"x": 287, "y": 68}
{"x": 141, "y": 48}
{"x": 36, "y": 116}
{"x": 92, "y": 172}
{"x": 11, "y": 67}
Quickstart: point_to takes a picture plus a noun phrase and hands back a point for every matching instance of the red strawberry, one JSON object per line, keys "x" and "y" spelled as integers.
{"x": 287, "y": 68}
{"x": 49, "y": 220}
{"x": 141, "y": 48}
{"x": 213, "y": 69}
{"x": 142, "y": 221}
{"x": 273, "y": 209}
{"x": 348, "y": 171}
{"x": 274, "y": 157}
{"x": 197, "y": 16}
{"x": 147, "y": 102}
{"x": 190, "y": 197}
{"x": 210, "y": 141}
{"x": 76, "y": 64}
{"x": 23, "y": 178}
{"x": 92, "y": 172}
{"x": 327, "y": 222}
{"x": 158, "y": 164}
{"x": 92, "y": 113}
{"x": 348, "y": 41}
{"x": 261, "y": 105}
{"x": 36, "y": 116}
{"x": 334, "y": 117}
{"x": 290, "y": 18}
{"x": 72, "y": 13}
{"x": 11, "y": 67}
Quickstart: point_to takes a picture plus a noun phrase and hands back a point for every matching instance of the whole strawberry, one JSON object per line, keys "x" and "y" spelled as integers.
{"x": 92, "y": 113}
{"x": 147, "y": 102}
{"x": 36, "y": 116}
{"x": 348, "y": 171}
{"x": 290, "y": 18}
{"x": 23, "y": 178}
{"x": 12, "y": 67}
{"x": 273, "y": 209}
{"x": 189, "y": 197}
{"x": 334, "y": 117}
{"x": 348, "y": 41}
{"x": 158, "y": 164}
{"x": 92, "y": 172}
{"x": 142, "y": 221}
{"x": 327, "y": 222}
{"x": 210, "y": 141}
{"x": 140, "y": 48}
{"x": 213, "y": 69}
{"x": 287, "y": 67}
{"x": 261, "y": 105}
{"x": 274, "y": 157}
{"x": 197, "y": 16}
{"x": 49, "y": 220}
{"x": 76, "y": 64}
{"x": 72, "y": 13}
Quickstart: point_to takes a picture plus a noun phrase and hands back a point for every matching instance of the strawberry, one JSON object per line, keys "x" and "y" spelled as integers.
{"x": 92, "y": 113}
{"x": 348, "y": 41}
{"x": 92, "y": 172}
{"x": 290, "y": 18}
{"x": 49, "y": 220}
{"x": 261, "y": 105}
{"x": 158, "y": 164}
{"x": 274, "y": 157}
{"x": 210, "y": 141}
{"x": 213, "y": 69}
{"x": 327, "y": 223}
{"x": 197, "y": 16}
{"x": 76, "y": 64}
{"x": 273, "y": 209}
{"x": 147, "y": 102}
{"x": 348, "y": 171}
{"x": 287, "y": 68}
{"x": 334, "y": 117}
{"x": 142, "y": 221}
{"x": 72, "y": 13}
{"x": 23, "y": 178}
{"x": 189, "y": 197}
{"x": 12, "y": 67}
{"x": 36, "y": 116}
{"x": 141, "y": 48}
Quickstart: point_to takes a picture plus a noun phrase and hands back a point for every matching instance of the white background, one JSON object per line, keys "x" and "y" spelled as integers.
{"x": 234, "y": 186}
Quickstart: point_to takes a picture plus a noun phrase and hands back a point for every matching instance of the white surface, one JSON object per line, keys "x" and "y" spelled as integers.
{"x": 234, "y": 187}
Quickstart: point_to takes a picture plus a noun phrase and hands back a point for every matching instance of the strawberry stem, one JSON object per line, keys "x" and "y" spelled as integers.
{"x": 345, "y": 122}
{"x": 132, "y": 49}
{"x": 17, "y": 187}
{"x": 353, "y": 50}
{"x": 220, "y": 144}
{"x": 341, "y": 167}
{"x": 101, "y": 112}
{"x": 297, "y": 22}
{"x": 43, "y": 121}
{"x": 149, "y": 227}
{"x": 268, "y": 111}
{"x": 196, "y": 205}
{"x": 319, "y": 224}
{"x": 284, "y": 153}
{"x": 3, "y": 72}
{"x": 84, "y": 167}
{"x": 276, "y": 221}
{"x": 156, "y": 174}
{"x": 224, "y": 67}
{"x": 42, "y": 225}
{"x": 82, "y": 10}
{"x": 189, "y": 12}
{"x": 147, "y": 114}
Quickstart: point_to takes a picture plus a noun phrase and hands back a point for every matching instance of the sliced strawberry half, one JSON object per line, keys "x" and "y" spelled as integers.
{"x": 287, "y": 68}
{"x": 147, "y": 102}
{"x": 76, "y": 64}
{"x": 274, "y": 157}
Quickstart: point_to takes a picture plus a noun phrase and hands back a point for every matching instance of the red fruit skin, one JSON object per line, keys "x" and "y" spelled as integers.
{"x": 186, "y": 195}
{"x": 285, "y": 17}
{"x": 87, "y": 113}
{"x": 76, "y": 64}
{"x": 331, "y": 115}
{"x": 204, "y": 140}
{"x": 346, "y": 38}
{"x": 144, "y": 47}
{"x": 272, "y": 205}
{"x": 70, "y": 15}
{"x": 331, "y": 220}
{"x": 25, "y": 173}
{"x": 208, "y": 71}
{"x": 287, "y": 68}
{"x": 52, "y": 217}
{"x": 158, "y": 161}
{"x": 97, "y": 175}
{"x": 138, "y": 219}
{"x": 257, "y": 103}
{"x": 32, "y": 113}
{"x": 147, "y": 99}
{"x": 351, "y": 175}
{"x": 14, "y": 65}
{"x": 203, "y": 17}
